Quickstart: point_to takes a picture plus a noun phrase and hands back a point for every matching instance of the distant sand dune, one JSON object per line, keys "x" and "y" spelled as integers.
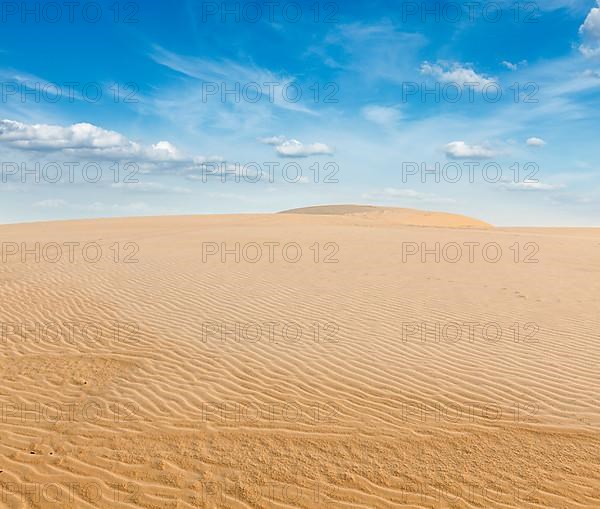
{"x": 181, "y": 403}
{"x": 389, "y": 216}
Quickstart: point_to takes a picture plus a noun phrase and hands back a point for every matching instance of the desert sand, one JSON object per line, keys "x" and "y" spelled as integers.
{"x": 344, "y": 356}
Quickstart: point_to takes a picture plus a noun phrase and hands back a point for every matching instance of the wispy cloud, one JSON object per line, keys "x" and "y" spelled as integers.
{"x": 273, "y": 140}
{"x": 462, "y": 150}
{"x": 374, "y": 51}
{"x": 384, "y": 116}
{"x": 455, "y": 72}
{"x": 227, "y": 82}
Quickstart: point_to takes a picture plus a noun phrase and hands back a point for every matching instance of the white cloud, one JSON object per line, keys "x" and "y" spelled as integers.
{"x": 88, "y": 140}
{"x": 591, "y": 25}
{"x": 590, "y": 32}
{"x": 513, "y": 67}
{"x": 273, "y": 140}
{"x": 295, "y": 148}
{"x": 590, "y": 51}
{"x": 54, "y": 137}
{"x": 385, "y": 116}
{"x": 30, "y": 83}
{"x": 460, "y": 74}
{"x": 535, "y": 142}
{"x": 168, "y": 150}
{"x": 509, "y": 65}
{"x": 461, "y": 150}
{"x": 218, "y": 76}
{"x": 200, "y": 160}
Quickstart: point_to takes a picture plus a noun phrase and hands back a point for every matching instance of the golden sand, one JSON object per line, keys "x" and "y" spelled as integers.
{"x": 340, "y": 357}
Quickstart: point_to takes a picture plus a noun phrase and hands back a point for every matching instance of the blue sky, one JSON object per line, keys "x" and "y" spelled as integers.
{"x": 483, "y": 108}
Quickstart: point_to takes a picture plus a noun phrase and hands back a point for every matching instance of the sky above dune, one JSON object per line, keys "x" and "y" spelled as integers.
{"x": 488, "y": 109}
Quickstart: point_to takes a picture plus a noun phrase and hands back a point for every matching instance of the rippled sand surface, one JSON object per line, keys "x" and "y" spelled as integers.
{"x": 345, "y": 357}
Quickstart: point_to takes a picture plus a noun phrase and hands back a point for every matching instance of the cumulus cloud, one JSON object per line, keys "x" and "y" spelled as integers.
{"x": 88, "y": 140}
{"x": 462, "y": 150}
{"x": 295, "y": 148}
{"x": 385, "y": 116}
{"x": 590, "y": 33}
{"x": 590, "y": 51}
{"x": 54, "y": 137}
{"x": 591, "y": 25}
{"x": 168, "y": 150}
{"x": 535, "y": 142}
{"x": 454, "y": 72}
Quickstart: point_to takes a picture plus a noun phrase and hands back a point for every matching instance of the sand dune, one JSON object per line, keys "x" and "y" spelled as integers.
{"x": 387, "y": 216}
{"x": 304, "y": 359}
